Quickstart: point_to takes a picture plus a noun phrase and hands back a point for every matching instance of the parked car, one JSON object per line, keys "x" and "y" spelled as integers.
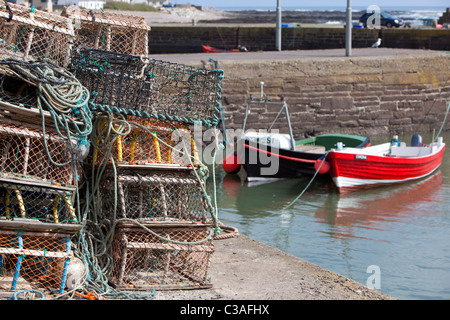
{"x": 386, "y": 20}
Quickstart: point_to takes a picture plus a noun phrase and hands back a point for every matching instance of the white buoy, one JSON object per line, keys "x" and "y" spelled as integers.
{"x": 75, "y": 273}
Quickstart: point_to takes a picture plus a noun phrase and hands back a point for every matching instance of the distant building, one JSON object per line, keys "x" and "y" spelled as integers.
{"x": 157, "y": 4}
{"x": 45, "y": 5}
{"x": 49, "y": 5}
{"x": 88, "y": 4}
{"x": 17, "y": 1}
{"x": 91, "y": 4}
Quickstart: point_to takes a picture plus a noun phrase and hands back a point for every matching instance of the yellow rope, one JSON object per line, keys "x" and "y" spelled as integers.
{"x": 21, "y": 204}
{"x": 194, "y": 150}
{"x": 70, "y": 207}
{"x": 119, "y": 149}
{"x": 55, "y": 209}
{"x": 157, "y": 148}
{"x": 102, "y": 125}
{"x": 7, "y": 203}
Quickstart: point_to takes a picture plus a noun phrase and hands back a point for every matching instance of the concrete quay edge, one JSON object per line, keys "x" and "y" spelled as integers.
{"x": 322, "y": 54}
{"x": 245, "y": 269}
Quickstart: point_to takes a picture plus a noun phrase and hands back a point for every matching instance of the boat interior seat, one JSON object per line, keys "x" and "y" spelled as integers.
{"x": 409, "y": 151}
{"x": 310, "y": 148}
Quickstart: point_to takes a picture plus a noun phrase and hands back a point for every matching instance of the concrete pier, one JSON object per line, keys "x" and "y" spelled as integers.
{"x": 245, "y": 269}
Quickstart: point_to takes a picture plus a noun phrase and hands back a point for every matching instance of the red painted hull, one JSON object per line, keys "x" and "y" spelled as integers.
{"x": 208, "y": 49}
{"x": 352, "y": 170}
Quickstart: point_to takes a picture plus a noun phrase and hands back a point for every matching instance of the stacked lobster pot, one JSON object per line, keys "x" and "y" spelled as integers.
{"x": 44, "y": 126}
{"x": 108, "y": 31}
{"x": 27, "y": 33}
{"x": 151, "y": 181}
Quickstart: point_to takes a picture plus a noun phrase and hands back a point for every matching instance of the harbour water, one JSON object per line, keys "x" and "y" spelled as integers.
{"x": 400, "y": 234}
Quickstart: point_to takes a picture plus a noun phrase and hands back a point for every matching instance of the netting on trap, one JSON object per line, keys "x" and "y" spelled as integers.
{"x": 45, "y": 204}
{"x": 26, "y": 32}
{"x": 30, "y": 155}
{"x": 148, "y": 141}
{"x": 153, "y": 196}
{"x": 42, "y": 85}
{"x": 15, "y": 90}
{"x": 141, "y": 86}
{"x": 34, "y": 261}
{"x": 166, "y": 256}
{"x": 108, "y": 31}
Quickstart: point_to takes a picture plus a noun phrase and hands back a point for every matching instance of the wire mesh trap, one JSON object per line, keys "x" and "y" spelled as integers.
{"x": 26, "y": 32}
{"x": 28, "y": 154}
{"x": 22, "y": 81}
{"x": 109, "y": 31}
{"x": 153, "y": 195}
{"x": 162, "y": 256}
{"x": 145, "y": 142}
{"x": 33, "y": 260}
{"x": 141, "y": 86}
{"x": 45, "y": 204}
{"x": 42, "y": 90}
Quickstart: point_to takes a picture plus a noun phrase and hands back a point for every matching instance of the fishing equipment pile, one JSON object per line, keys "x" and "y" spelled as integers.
{"x": 102, "y": 190}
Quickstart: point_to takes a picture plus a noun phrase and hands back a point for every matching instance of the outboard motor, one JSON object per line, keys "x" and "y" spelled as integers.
{"x": 416, "y": 140}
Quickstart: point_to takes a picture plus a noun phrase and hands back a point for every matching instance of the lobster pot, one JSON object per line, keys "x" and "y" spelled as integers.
{"x": 15, "y": 90}
{"x": 153, "y": 195}
{"x": 28, "y": 154}
{"x": 26, "y": 33}
{"x": 151, "y": 141}
{"x": 162, "y": 256}
{"x": 142, "y": 86}
{"x": 109, "y": 31}
{"x": 45, "y": 204}
{"x": 33, "y": 260}
{"x": 117, "y": 79}
{"x": 42, "y": 94}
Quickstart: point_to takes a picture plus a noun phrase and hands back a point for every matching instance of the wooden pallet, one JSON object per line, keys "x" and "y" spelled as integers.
{"x": 31, "y": 116}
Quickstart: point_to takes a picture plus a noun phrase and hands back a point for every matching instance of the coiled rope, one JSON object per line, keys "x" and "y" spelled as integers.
{"x": 59, "y": 93}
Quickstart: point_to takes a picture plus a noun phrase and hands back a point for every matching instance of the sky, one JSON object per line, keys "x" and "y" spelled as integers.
{"x": 315, "y": 3}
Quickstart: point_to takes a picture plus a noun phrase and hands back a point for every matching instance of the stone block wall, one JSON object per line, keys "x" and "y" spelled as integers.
{"x": 364, "y": 95}
{"x": 172, "y": 39}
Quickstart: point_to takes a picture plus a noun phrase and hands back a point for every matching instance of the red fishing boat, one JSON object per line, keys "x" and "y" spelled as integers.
{"x": 388, "y": 163}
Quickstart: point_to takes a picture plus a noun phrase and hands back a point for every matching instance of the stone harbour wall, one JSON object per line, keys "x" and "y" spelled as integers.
{"x": 365, "y": 95}
{"x": 189, "y": 39}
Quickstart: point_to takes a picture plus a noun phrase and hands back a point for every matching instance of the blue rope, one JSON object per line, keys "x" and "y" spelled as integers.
{"x": 14, "y": 297}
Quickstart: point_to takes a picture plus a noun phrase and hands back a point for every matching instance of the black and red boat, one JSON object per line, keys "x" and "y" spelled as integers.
{"x": 268, "y": 155}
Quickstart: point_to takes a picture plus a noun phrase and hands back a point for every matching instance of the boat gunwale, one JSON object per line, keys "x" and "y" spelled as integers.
{"x": 363, "y": 141}
{"x": 384, "y": 157}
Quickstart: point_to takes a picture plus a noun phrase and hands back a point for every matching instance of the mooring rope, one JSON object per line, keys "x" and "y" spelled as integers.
{"x": 308, "y": 185}
{"x": 443, "y": 122}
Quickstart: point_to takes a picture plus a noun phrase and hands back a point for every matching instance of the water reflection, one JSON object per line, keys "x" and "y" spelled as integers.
{"x": 371, "y": 208}
{"x": 260, "y": 198}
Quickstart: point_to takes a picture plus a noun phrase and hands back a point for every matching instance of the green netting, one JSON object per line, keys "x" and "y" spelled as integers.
{"x": 147, "y": 87}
